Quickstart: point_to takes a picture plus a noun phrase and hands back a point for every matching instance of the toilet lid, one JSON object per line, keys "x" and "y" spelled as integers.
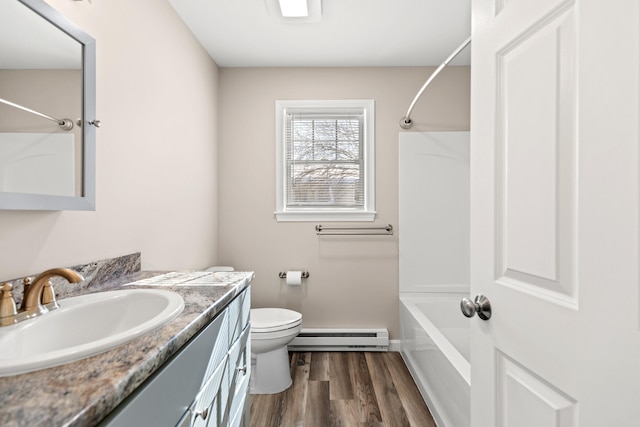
{"x": 273, "y": 319}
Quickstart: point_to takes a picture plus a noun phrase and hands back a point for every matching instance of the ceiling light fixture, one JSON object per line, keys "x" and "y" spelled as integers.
{"x": 295, "y": 11}
{"x": 294, "y": 8}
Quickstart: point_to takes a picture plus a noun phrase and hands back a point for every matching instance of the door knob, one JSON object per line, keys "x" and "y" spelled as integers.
{"x": 481, "y": 305}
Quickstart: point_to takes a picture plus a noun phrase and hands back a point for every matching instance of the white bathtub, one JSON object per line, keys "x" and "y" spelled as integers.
{"x": 435, "y": 347}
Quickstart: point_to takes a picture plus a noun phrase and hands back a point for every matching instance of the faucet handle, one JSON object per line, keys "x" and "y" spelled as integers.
{"x": 8, "y": 308}
{"x": 48, "y": 297}
{"x": 26, "y": 282}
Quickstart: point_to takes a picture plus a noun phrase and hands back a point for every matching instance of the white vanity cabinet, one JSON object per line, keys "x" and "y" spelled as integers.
{"x": 206, "y": 384}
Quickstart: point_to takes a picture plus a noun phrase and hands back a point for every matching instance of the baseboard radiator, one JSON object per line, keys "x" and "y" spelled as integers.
{"x": 312, "y": 339}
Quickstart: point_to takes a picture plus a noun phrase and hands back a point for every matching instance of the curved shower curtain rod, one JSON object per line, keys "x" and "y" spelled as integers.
{"x": 405, "y": 122}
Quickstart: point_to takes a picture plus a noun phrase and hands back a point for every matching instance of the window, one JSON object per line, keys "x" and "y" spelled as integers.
{"x": 325, "y": 160}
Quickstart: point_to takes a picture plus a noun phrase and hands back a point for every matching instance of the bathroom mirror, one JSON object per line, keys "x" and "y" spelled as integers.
{"x": 47, "y": 110}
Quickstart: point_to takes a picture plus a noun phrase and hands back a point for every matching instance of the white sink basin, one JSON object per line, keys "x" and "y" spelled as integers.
{"x": 84, "y": 326}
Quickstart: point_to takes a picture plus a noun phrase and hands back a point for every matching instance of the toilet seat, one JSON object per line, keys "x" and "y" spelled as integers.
{"x": 264, "y": 320}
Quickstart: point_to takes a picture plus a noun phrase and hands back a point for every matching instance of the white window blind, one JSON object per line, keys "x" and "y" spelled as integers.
{"x": 326, "y": 160}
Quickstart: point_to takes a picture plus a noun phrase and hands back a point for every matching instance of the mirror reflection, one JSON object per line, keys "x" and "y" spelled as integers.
{"x": 42, "y": 136}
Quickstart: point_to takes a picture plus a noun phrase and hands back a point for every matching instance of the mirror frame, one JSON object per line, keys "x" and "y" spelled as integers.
{"x": 86, "y": 201}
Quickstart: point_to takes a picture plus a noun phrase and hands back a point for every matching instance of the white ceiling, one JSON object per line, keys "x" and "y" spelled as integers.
{"x": 351, "y": 33}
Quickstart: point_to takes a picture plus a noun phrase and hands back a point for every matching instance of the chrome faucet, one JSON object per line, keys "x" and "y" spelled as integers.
{"x": 38, "y": 297}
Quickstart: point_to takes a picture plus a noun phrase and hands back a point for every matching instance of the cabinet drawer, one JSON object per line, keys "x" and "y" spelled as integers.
{"x": 210, "y": 402}
{"x": 240, "y": 410}
{"x": 220, "y": 346}
{"x": 239, "y": 315}
{"x": 239, "y": 372}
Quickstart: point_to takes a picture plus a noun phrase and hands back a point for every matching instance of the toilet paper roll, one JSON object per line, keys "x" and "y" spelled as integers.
{"x": 294, "y": 278}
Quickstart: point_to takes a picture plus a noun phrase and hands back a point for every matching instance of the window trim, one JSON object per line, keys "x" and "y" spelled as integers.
{"x": 367, "y": 213}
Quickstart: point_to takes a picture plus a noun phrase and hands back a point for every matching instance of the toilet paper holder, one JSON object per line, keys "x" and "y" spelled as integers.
{"x": 283, "y": 275}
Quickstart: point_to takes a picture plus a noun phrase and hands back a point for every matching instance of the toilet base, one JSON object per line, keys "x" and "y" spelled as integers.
{"x": 271, "y": 372}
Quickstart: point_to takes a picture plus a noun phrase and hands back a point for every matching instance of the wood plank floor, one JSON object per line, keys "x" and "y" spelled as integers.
{"x": 344, "y": 389}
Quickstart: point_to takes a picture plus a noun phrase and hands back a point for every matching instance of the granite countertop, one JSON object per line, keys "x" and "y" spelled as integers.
{"x": 82, "y": 393}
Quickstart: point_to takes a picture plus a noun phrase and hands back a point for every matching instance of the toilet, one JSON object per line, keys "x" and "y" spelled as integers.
{"x": 271, "y": 330}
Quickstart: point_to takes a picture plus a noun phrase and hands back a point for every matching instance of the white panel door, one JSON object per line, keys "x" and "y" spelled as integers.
{"x": 554, "y": 213}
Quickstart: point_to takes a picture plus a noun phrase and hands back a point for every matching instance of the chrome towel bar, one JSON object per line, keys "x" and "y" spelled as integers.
{"x": 386, "y": 230}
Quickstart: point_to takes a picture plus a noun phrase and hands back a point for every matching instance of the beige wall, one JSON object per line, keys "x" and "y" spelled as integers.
{"x": 156, "y": 151}
{"x": 354, "y": 280}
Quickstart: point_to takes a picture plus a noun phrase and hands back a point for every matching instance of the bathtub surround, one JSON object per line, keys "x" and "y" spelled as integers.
{"x": 63, "y": 395}
{"x": 434, "y": 211}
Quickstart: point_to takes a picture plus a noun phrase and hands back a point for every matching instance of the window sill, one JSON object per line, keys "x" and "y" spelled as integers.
{"x": 302, "y": 216}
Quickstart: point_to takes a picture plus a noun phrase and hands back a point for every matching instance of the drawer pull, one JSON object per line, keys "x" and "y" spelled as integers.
{"x": 203, "y": 414}
{"x": 243, "y": 370}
